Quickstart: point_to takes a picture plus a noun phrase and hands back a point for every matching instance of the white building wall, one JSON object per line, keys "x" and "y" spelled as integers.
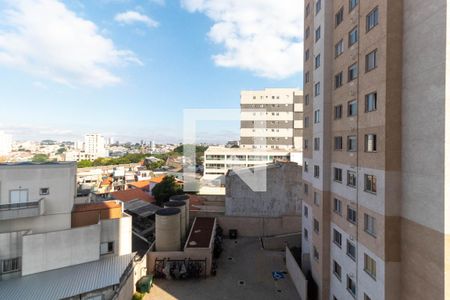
{"x": 58, "y": 249}
{"x": 5, "y": 143}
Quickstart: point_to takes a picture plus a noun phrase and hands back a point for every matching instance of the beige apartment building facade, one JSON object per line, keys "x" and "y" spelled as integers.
{"x": 272, "y": 119}
{"x": 375, "y": 219}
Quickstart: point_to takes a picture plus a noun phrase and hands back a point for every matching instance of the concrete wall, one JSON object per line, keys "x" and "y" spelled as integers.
{"x": 53, "y": 250}
{"x": 283, "y": 195}
{"x": 257, "y": 227}
{"x": 297, "y": 276}
{"x": 119, "y": 232}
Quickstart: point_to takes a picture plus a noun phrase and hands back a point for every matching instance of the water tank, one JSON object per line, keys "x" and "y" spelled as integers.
{"x": 182, "y": 206}
{"x": 167, "y": 231}
{"x": 184, "y": 198}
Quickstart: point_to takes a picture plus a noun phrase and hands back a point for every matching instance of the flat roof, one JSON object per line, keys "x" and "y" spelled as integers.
{"x": 237, "y": 151}
{"x": 201, "y": 233}
{"x": 67, "y": 282}
{"x": 141, "y": 208}
{"x": 96, "y": 206}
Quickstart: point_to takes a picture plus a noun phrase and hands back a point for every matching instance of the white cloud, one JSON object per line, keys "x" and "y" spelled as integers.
{"x": 130, "y": 17}
{"x": 46, "y": 39}
{"x": 262, "y": 36}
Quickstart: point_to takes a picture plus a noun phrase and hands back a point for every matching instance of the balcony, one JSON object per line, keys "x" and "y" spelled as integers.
{"x": 21, "y": 210}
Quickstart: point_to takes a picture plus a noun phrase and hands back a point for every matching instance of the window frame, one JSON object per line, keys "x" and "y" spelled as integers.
{"x": 374, "y": 143}
{"x": 352, "y": 140}
{"x": 337, "y": 175}
{"x": 374, "y": 16}
{"x": 367, "y": 97}
{"x": 370, "y": 266}
{"x": 352, "y": 72}
{"x": 339, "y": 48}
{"x": 354, "y": 30}
{"x": 350, "y": 245}
{"x": 354, "y": 213}
{"x": 337, "y": 206}
{"x": 338, "y": 138}
{"x": 370, "y": 183}
{"x": 370, "y": 220}
{"x": 350, "y": 111}
{"x": 337, "y": 238}
{"x": 375, "y": 60}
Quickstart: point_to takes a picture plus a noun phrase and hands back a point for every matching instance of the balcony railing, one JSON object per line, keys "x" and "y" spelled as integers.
{"x": 21, "y": 210}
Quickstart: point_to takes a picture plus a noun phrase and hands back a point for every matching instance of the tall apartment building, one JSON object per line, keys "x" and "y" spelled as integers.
{"x": 375, "y": 211}
{"x": 95, "y": 145}
{"x": 272, "y": 119}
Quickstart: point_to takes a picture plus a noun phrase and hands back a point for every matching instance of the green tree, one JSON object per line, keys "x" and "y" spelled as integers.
{"x": 166, "y": 189}
{"x": 84, "y": 164}
{"x": 61, "y": 150}
{"x": 40, "y": 158}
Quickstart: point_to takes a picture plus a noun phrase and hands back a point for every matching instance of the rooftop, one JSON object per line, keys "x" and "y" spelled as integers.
{"x": 141, "y": 208}
{"x": 67, "y": 282}
{"x": 201, "y": 233}
{"x": 97, "y": 206}
{"x": 132, "y": 194}
{"x": 140, "y": 184}
{"x": 224, "y": 150}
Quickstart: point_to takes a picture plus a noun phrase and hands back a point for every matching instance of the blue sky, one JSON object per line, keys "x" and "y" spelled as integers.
{"x": 128, "y": 68}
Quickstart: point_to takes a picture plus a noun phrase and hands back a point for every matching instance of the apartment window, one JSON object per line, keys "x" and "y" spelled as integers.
{"x": 339, "y": 17}
{"x": 351, "y": 179}
{"x": 306, "y": 123}
{"x": 307, "y": 30}
{"x": 106, "y": 248}
{"x": 352, "y": 72}
{"x": 307, "y": 10}
{"x": 351, "y": 250}
{"x": 316, "y": 226}
{"x": 370, "y": 266}
{"x": 307, "y": 77}
{"x": 306, "y": 54}
{"x": 370, "y": 143}
{"x": 318, "y": 6}
{"x": 337, "y": 270}
{"x": 44, "y": 191}
{"x": 316, "y": 144}
{"x": 369, "y": 225}
{"x": 371, "y": 60}
{"x": 337, "y": 206}
{"x": 338, "y": 174}
{"x": 352, "y": 108}
{"x": 316, "y": 253}
{"x": 317, "y": 116}
{"x": 317, "y": 61}
{"x": 305, "y": 211}
{"x": 316, "y": 199}
{"x": 351, "y": 215}
{"x": 371, "y": 102}
{"x": 306, "y": 99}
{"x": 351, "y": 286}
{"x": 338, "y": 112}
{"x": 305, "y": 144}
{"x": 337, "y": 238}
{"x": 305, "y": 167}
{"x": 317, "y": 34}
{"x": 370, "y": 183}
{"x": 316, "y": 171}
{"x": 372, "y": 19}
{"x": 338, "y": 80}
{"x": 339, "y": 48}
{"x": 352, "y": 4}
{"x": 305, "y": 233}
{"x": 18, "y": 196}
{"x": 317, "y": 89}
{"x": 11, "y": 265}
{"x": 305, "y": 187}
{"x": 353, "y": 36}
{"x": 351, "y": 143}
{"x": 338, "y": 143}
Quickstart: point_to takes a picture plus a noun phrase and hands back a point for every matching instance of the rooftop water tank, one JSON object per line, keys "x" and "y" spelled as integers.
{"x": 185, "y": 199}
{"x": 182, "y": 206}
{"x": 167, "y": 231}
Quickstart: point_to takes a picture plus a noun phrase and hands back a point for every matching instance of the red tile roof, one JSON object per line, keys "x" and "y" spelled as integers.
{"x": 132, "y": 194}
{"x": 140, "y": 184}
{"x": 96, "y": 206}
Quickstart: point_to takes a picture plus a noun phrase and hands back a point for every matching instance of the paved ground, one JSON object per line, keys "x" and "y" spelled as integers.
{"x": 250, "y": 264}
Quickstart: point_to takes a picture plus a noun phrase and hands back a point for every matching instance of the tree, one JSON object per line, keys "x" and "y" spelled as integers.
{"x": 166, "y": 189}
{"x": 40, "y": 158}
{"x": 61, "y": 150}
{"x": 84, "y": 164}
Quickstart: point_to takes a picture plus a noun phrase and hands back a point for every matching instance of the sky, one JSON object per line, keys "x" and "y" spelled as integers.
{"x": 129, "y": 68}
